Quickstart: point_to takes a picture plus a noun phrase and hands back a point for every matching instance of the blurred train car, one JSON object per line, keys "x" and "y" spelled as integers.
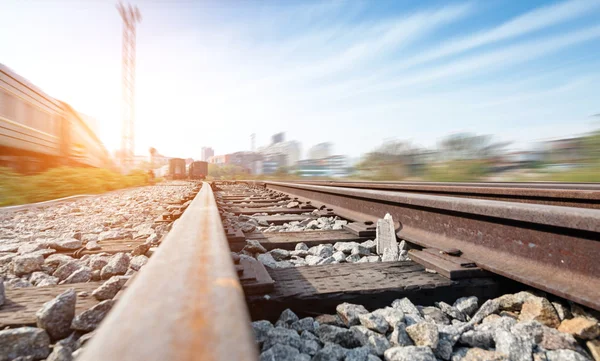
{"x": 177, "y": 168}
{"x": 198, "y": 170}
{"x": 39, "y": 132}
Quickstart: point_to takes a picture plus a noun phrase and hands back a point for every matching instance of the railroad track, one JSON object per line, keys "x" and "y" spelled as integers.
{"x": 302, "y": 256}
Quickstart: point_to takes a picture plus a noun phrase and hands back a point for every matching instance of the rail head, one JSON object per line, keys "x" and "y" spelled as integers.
{"x": 186, "y": 304}
{"x": 554, "y": 248}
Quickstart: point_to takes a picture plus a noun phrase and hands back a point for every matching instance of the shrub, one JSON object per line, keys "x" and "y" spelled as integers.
{"x": 63, "y": 182}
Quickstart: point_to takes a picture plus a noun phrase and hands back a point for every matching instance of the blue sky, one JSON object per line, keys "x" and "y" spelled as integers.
{"x": 355, "y": 73}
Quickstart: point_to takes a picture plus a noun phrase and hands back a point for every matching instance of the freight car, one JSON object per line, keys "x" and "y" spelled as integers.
{"x": 177, "y": 169}
{"x": 39, "y": 132}
{"x": 198, "y": 170}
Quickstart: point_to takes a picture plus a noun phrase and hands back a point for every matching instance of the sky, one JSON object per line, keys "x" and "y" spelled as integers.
{"x": 355, "y": 73}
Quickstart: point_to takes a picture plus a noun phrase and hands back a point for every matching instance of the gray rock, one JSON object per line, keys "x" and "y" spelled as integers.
{"x": 27, "y": 248}
{"x": 301, "y": 247}
{"x": 254, "y": 246}
{"x": 305, "y": 324}
{"x": 424, "y": 334}
{"x": 399, "y": 337}
{"x": 328, "y": 260}
{"x": 331, "y": 352}
{"x": 488, "y": 308}
{"x": 358, "y": 354}
{"x": 138, "y": 262}
{"x": 92, "y": 246}
{"x": 82, "y": 275}
{"x": 37, "y": 278}
{"x": 451, "y": 311}
{"x": 141, "y": 249}
{"x": 24, "y": 342}
{"x": 17, "y": 283}
{"x": 283, "y": 336}
{"x": 299, "y": 253}
{"x": 307, "y": 335}
{"x": 286, "y": 319}
{"x": 310, "y": 347}
{"x": 360, "y": 250}
{"x": 110, "y": 235}
{"x": 385, "y": 235}
{"x": 56, "y": 315}
{"x": 313, "y": 260}
{"x": 565, "y": 355}
{"x": 339, "y": 256}
{"x": 480, "y": 339}
{"x": 466, "y": 305}
{"x": 329, "y": 320}
{"x": 117, "y": 265}
{"x": 376, "y": 342}
{"x": 267, "y": 260}
{"x": 27, "y": 263}
{"x": 261, "y": 328}
{"x": 390, "y": 254}
{"x": 562, "y": 311}
{"x": 322, "y": 250}
{"x": 391, "y": 315}
{"x": 435, "y": 315}
{"x": 513, "y": 302}
{"x": 68, "y": 244}
{"x": 292, "y": 205}
{"x": 2, "y": 292}
{"x": 345, "y": 247}
{"x": 370, "y": 245}
{"x": 341, "y": 336}
{"x": 65, "y": 270}
{"x": 89, "y": 319}
{"x": 280, "y": 254}
{"x": 280, "y": 353}
{"x": 353, "y": 258}
{"x": 349, "y": 313}
{"x": 61, "y": 352}
{"x": 406, "y": 306}
{"x": 110, "y": 288}
{"x": 409, "y": 353}
{"x": 515, "y": 347}
{"x": 374, "y": 322}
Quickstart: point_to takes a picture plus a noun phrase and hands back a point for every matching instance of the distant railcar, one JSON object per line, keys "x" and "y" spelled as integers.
{"x": 177, "y": 168}
{"x": 39, "y": 132}
{"x": 198, "y": 170}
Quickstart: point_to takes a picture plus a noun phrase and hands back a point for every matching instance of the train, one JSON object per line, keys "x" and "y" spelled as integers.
{"x": 198, "y": 170}
{"x": 38, "y": 132}
{"x": 177, "y": 169}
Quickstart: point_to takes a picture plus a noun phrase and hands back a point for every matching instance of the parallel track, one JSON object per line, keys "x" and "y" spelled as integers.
{"x": 188, "y": 303}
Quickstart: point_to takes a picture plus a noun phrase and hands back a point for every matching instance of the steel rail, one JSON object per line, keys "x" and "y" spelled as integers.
{"x": 552, "y": 248}
{"x": 584, "y": 195}
{"x": 186, "y": 304}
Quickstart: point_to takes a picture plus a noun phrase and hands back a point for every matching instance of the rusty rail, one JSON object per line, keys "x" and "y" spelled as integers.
{"x": 552, "y": 248}
{"x": 583, "y": 195}
{"x": 187, "y": 304}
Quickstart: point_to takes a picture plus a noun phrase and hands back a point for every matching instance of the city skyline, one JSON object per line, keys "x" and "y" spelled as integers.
{"x": 354, "y": 73}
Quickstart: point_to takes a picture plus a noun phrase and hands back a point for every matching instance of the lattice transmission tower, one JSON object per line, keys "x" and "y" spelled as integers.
{"x": 131, "y": 16}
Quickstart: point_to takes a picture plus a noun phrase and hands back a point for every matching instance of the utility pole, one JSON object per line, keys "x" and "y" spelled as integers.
{"x": 252, "y": 138}
{"x": 131, "y": 16}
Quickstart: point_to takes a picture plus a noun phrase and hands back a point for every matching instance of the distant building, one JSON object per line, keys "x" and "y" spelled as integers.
{"x": 251, "y": 161}
{"x": 332, "y": 166}
{"x": 278, "y": 138}
{"x": 219, "y": 159}
{"x": 320, "y": 151}
{"x": 290, "y": 149}
{"x": 271, "y": 163}
{"x": 207, "y": 152}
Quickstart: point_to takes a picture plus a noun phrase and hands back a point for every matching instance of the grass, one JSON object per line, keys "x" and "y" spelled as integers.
{"x": 62, "y": 182}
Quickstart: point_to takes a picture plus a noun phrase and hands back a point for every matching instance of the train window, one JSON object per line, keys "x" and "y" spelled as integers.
{"x": 9, "y": 106}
